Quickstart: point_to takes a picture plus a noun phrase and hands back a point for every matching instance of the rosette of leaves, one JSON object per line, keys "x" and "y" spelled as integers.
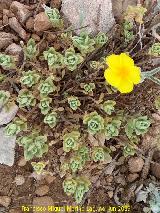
{"x": 84, "y": 43}
{"x": 101, "y": 39}
{"x": 51, "y": 119}
{"x": 76, "y": 163}
{"x": 44, "y": 105}
{"x": 16, "y": 126}
{"x": 112, "y": 128}
{"x": 30, "y": 50}
{"x": 34, "y": 145}
{"x": 94, "y": 122}
{"x": 70, "y": 141}
{"x": 135, "y": 13}
{"x": 82, "y": 187}
{"x": 98, "y": 65}
{"x": 26, "y": 99}
{"x": 54, "y": 16}
{"x": 157, "y": 103}
{"x": 69, "y": 186}
{"x": 128, "y": 151}
{"x": 38, "y": 167}
{"x": 138, "y": 125}
{"x": 155, "y": 49}
{"x": 4, "y": 97}
{"x": 88, "y": 88}
{"x": 6, "y": 61}
{"x": 46, "y": 87}
{"x": 83, "y": 152}
{"x": 128, "y": 31}
{"x": 72, "y": 59}
{"x": 74, "y": 102}
{"x": 29, "y": 78}
{"x": 108, "y": 106}
{"x": 98, "y": 154}
{"x": 54, "y": 59}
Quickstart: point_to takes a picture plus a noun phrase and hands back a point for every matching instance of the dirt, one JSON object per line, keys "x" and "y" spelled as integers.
{"x": 106, "y": 190}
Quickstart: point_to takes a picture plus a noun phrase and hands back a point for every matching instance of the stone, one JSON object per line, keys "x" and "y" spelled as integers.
{"x": 5, "y": 201}
{"x": 22, "y": 162}
{"x": 42, "y": 190}
{"x": 14, "y": 49}
{"x": 15, "y": 25}
{"x": 30, "y": 23}
{"x": 15, "y": 211}
{"x": 20, "y": 10}
{"x": 36, "y": 37}
{"x": 97, "y": 14}
{"x": 6, "y": 39}
{"x": 49, "y": 179}
{"x": 19, "y": 180}
{"x": 41, "y": 22}
{"x": 135, "y": 164}
{"x": 132, "y": 177}
{"x": 5, "y": 20}
{"x": 5, "y": 4}
{"x": 7, "y": 115}
{"x": 7, "y": 150}
{"x": 43, "y": 201}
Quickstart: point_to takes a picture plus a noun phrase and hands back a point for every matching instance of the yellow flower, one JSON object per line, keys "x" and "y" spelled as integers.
{"x": 122, "y": 73}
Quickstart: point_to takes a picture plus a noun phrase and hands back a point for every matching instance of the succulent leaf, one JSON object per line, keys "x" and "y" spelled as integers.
{"x": 94, "y": 122}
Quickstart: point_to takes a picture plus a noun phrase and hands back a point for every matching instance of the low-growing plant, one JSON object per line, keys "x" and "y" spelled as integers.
{"x": 84, "y": 43}
{"x": 38, "y": 167}
{"x": 51, "y": 119}
{"x": 72, "y": 59}
{"x": 74, "y": 102}
{"x": 30, "y": 49}
{"x": 111, "y": 129}
{"x": 76, "y": 163}
{"x": 49, "y": 93}
{"x": 70, "y": 141}
{"x": 44, "y": 105}
{"x": 138, "y": 125}
{"x": 128, "y": 151}
{"x": 46, "y": 87}
{"x": 7, "y": 61}
{"x": 26, "y": 99}
{"x": 4, "y": 97}
{"x": 101, "y": 39}
{"x": 155, "y": 50}
{"x": 54, "y": 16}
{"x": 54, "y": 59}
{"x": 15, "y": 127}
{"x": 29, "y": 78}
{"x": 34, "y": 145}
{"x": 94, "y": 122}
{"x": 108, "y": 106}
{"x": 88, "y": 88}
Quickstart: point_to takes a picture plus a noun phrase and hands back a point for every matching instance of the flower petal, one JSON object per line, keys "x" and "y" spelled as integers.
{"x": 112, "y": 78}
{"x": 126, "y": 60}
{"x": 135, "y": 74}
{"x": 125, "y": 87}
{"x": 113, "y": 61}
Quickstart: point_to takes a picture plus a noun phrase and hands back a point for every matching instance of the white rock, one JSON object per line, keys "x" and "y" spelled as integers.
{"x": 7, "y": 151}
{"x": 6, "y": 115}
{"x": 95, "y": 13}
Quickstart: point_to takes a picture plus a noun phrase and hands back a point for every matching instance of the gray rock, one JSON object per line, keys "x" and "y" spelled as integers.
{"x": 6, "y": 115}
{"x": 15, "y": 25}
{"x": 21, "y": 11}
{"x": 6, "y": 39}
{"x": 7, "y": 151}
{"x": 13, "y": 49}
{"x": 95, "y": 13}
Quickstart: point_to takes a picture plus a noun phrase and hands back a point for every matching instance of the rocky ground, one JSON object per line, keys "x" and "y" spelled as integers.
{"x": 117, "y": 183}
